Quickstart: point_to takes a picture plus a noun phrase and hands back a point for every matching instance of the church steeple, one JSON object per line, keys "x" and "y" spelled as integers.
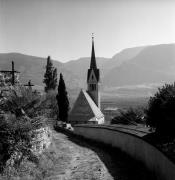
{"x": 93, "y": 78}
{"x": 87, "y": 106}
{"x": 93, "y": 64}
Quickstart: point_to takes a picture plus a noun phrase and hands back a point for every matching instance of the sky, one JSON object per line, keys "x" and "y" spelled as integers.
{"x": 63, "y": 28}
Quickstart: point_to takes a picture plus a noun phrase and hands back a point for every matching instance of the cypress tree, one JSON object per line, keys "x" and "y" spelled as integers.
{"x": 54, "y": 78}
{"x": 62, "y": 100}
{"x": 50, "y": 76}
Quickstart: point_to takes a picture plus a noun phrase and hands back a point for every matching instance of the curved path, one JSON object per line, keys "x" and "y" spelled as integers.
{"x": 79, "y": 160}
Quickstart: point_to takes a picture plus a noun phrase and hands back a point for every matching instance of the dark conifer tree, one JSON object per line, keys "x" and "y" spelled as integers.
{"x": 50, "y": 76}
{"x": 62, "y": 100}
{"x": 54, "y": 78}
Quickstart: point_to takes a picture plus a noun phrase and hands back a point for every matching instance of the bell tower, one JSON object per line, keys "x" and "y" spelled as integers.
{"x": 93, "y": 78}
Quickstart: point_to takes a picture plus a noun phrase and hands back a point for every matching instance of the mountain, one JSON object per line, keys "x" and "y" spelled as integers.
{"x": 33, "y": 68}
{"x": 123, "y": 56}
{"x": 79, "y": 67}
{"x": 153, "y": 64}
{"x": 135, "y": 71}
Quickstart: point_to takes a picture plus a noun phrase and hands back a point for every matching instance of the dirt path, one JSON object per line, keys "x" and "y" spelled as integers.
{"x": 77, "y": 160}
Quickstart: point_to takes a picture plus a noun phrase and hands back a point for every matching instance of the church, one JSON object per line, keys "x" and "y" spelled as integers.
{"x": 86, "y": 109}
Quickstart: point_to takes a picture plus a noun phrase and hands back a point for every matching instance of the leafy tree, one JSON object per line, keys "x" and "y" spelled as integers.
{"x": 50, "y": 76}
{"x": 161, "y": 110}
{"x": 62, "y": 100}
{"x": 19, "y": 101}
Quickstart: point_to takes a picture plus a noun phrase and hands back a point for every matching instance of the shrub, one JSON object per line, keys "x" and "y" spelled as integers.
{"x": 14, "y": 141}
{"x": 131, "y": 116}
{"x": 17, "y": 108}
{"x": 160, "y": 112}
{"x": 20, "y": 100}
{"x": 48, "y": 105}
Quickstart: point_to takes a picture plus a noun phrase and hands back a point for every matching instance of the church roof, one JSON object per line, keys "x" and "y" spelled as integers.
{"x": 85, "y": 109}
{"x": 97, "y": 112}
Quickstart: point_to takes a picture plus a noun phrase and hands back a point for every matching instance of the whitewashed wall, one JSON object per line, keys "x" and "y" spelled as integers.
{"x": 133, "y": 145}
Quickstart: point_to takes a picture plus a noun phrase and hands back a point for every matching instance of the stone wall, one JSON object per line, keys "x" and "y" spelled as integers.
{"x": 41, "y": 139}
{"x": 133, "y": 145}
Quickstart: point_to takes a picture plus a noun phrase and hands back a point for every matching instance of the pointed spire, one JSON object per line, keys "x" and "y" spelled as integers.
{"x": 93, "y": 64}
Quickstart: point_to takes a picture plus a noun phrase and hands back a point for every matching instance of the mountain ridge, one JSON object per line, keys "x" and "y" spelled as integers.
{"x": 131, "y": 66}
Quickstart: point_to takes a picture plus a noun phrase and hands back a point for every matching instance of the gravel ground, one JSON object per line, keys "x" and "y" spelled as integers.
{"x": 80, "y": 160}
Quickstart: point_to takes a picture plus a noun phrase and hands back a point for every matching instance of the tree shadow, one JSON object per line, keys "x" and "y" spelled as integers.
{"x": 119, "y": 164}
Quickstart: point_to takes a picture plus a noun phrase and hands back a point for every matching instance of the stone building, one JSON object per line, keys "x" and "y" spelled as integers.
{"x": 86, "y": 109}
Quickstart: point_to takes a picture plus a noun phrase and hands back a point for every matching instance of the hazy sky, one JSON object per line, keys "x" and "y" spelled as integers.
{"x": 63, "y": 28}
